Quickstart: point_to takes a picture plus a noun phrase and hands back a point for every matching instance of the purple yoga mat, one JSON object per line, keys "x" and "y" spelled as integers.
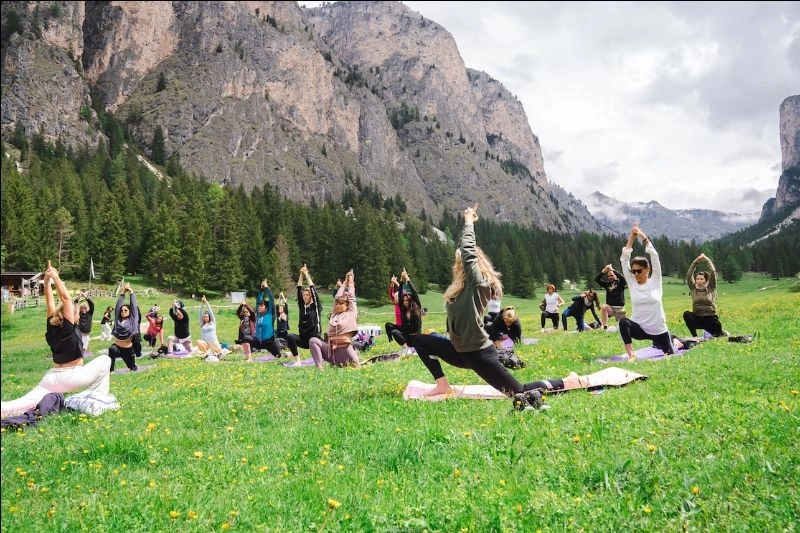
{"x": 642, "y": 354}
{"x": 304, "y": 362}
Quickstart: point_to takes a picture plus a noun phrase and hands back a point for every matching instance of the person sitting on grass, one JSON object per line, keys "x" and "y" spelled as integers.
{"x": 69, "y": 373}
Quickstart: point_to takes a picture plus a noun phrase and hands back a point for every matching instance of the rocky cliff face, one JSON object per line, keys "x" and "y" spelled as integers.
{"x": 788, "y": 193}
{"x": 308, "y": 100}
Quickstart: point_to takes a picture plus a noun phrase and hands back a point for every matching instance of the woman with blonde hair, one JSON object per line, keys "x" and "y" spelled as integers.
{"x": 68, "y": 374}
{"x": 506, "y": 325}
{"x": 342, "y": 326}
{"x": 474, "y": 282}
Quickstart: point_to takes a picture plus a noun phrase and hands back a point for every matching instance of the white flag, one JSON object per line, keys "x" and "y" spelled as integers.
{"x": 91, "y": 268}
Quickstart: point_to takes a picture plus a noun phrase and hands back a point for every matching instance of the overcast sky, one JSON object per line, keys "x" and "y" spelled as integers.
{"x": 675, "y": 102}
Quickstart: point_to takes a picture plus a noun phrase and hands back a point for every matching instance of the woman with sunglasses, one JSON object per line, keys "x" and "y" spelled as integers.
{"x": 647, "y": 320}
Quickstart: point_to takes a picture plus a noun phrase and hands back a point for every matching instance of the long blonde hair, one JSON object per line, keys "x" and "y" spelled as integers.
{"x": 58, "y": 315}
{"x": 491, "y": 275}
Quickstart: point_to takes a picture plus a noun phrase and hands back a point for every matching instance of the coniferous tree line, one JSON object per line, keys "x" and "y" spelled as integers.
{"x": 187, "y": 234}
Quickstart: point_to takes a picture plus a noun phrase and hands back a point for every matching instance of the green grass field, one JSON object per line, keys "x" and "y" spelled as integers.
{"x": 708, "y": 443}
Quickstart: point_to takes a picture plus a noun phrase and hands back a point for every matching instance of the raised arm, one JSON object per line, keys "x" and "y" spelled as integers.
{"x": 712, "y": 273}
{"x": 690, "y": 271}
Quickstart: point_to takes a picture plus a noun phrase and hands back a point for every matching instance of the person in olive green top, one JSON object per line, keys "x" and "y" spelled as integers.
{"x": 475, "y": 281}
{"x": 703, "y": 290}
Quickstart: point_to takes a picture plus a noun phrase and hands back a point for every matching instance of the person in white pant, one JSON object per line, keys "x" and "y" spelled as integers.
{"x": 68, "y": 374}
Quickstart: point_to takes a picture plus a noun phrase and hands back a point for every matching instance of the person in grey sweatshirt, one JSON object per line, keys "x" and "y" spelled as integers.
{"x": 475, "y": 281}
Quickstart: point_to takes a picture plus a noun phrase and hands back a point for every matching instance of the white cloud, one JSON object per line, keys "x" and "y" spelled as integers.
{"x": 675, "y": 102}
{"x": 670, "y": 101}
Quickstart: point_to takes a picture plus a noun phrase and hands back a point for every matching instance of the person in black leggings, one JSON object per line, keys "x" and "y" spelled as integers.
{"x": 474, "y": 282}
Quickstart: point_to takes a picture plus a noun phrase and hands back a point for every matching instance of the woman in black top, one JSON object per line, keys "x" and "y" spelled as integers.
{"x": 411, "y": 316}
{"x": 68, "y": 374}
{"x": 309, "y": 324}
{"x": 126, "y": 327}
{"x": 506, "y": 324}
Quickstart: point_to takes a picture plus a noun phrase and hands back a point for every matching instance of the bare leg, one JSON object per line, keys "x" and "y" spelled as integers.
{"x": 605, "y": 310}
{"x": 246, "y": 351}
{"x": 442, "y": 387}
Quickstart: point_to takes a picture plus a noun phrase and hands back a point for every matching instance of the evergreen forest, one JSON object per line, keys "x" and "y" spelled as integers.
{"x": 105, "y": 207}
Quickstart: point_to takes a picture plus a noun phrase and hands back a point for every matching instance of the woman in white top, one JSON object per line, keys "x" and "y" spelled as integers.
{"x": 552, "y": 301}
{"x": 648, "y": 320}
{"x": 208, "y": 343}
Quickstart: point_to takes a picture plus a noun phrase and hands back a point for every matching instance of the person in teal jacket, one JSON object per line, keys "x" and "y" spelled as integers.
{"x": 264, "y": 336}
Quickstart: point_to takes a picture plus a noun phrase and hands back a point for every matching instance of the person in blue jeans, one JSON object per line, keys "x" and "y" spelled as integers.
{"x": 587, "y": 300}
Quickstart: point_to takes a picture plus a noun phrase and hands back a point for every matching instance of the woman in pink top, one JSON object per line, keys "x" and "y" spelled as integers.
{"x": 343, "y": 324}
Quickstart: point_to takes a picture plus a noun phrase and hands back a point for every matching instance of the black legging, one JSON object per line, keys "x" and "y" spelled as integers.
{"x": 290, "y": 342}
{"x": 271, "y": 345}
{"x": 630, "y": 330}
{"x": 126, "y": 354}
{"x": 390, "y": 327}
{"x": 553, "y": 316}
{"x": 711, "y": 324}
{"x": 485, "y": 363}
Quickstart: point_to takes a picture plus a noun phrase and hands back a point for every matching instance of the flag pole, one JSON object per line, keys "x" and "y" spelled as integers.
{"x": 91, "y": 272}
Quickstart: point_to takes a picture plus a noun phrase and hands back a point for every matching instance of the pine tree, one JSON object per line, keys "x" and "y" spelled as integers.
{"x": 731, "y": 270}
{"x": 158, "y": 151}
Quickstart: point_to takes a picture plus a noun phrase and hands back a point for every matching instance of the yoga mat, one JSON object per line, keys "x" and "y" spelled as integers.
{"x": 608, "y": 377}
{"x": 642, "y": 354}
{"x": 177, "y": 355}
{"x": 530, "y": 341}
{"x": 304, "y": 362}
{"x": 141, "y": 368}
{"x": 382, "y": 358}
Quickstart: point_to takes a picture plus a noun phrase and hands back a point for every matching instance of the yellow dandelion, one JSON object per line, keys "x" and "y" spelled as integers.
{"x": 323, "y": 462}
{"x": 174, "y": 514}
{"x": 380, "y": 483}
{"x": 467, "y": 434}
{"x": 198, "y": 454}
{"x": 456, "y": 472}
{"x": 651, "y": 449}
{"x": 576, "y": 439}
{"x": 340, "y": 467}
{"x": 123, "y": 483}
{"x": 225, "y": 526}
{"x": 795, "y": 392}
{"x": 577, "y": 500}
{"x": 243, "y": 460}
{"x": 51, "y": 513}
{"x": 152, "y": 484}
{"x": 333, "y": 504}
{"x": 648, "y": 509}
{"x": 234, "y": 513}
{"x": 518, "y": 508}
{"x": 191, "y": 515}
{"x": 695, "y": 490}
{"x": 263, "y": 469}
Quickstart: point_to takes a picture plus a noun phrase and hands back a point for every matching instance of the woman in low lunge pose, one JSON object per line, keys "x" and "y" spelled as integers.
{"x": 474, "y": 281}
{"x": 309, "y": 325}
{"x": 410, "y": 324}
{"x": 647, "y": 320}
{"x": 68, "y": 374}
{"x": 342, "y": 325}
{"x": 126, "y": 325}
{"x": 703, "y": 290}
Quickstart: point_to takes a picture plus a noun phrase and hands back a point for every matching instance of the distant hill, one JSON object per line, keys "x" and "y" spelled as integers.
{"x": 699, "y": 225}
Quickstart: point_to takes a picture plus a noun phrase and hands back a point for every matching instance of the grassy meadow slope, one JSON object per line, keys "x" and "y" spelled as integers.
{"x": 707, "y": 443}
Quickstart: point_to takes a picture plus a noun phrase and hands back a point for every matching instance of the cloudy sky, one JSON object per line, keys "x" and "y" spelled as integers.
{"x": 669, "y": 101}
